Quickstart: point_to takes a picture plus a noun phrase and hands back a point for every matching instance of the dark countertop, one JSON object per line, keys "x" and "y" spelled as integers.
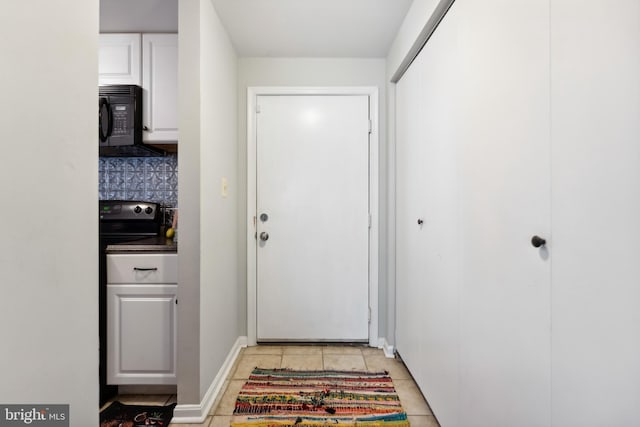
{"x": 150, "y": 244}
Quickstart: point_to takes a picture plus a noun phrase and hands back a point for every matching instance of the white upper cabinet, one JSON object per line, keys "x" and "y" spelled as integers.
{"x": 150, "y": 61}
{"x": 160, "y": 87}
{"x": 120, "y": 59}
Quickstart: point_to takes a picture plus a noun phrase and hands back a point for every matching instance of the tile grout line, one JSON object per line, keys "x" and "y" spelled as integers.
{"x": 366, "y": 365}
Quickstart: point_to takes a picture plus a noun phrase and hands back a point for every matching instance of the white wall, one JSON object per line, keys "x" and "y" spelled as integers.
{"x": 118, "y": 16}
{"x": 208, "y": 286}
{"x": 310, "y": 72}
{"x": 218, "y": 215}
{"x": 189, "y": 203}
{"x": 49, "y": 187}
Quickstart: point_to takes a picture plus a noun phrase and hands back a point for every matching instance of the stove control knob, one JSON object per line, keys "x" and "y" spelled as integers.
{"x": 148, "y": 210}
{"x": 137, "y": 209}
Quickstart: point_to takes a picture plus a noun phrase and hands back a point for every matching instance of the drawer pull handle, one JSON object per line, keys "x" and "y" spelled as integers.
{"x": 145, "y": 269}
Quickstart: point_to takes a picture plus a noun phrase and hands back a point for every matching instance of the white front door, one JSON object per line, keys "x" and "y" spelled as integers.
{"x": 312, "y": 219}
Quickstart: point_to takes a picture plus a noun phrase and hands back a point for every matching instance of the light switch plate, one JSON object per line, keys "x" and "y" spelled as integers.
{"x": 224, "y": 187}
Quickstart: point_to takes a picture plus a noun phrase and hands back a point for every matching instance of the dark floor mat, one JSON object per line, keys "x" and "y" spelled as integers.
{"x": 120, "y": 415}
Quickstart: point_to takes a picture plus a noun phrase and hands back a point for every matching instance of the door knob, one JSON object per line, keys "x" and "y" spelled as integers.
{"x": 538, "y": 241}
{"x": 264, "y": 236}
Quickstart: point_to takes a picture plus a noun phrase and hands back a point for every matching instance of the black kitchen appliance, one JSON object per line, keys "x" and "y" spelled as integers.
{"x": 120, "y": 122}
{"x": 120, "y": 221}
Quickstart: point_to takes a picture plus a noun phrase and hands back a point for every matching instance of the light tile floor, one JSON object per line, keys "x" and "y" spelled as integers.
{"x": 345, "y": 357}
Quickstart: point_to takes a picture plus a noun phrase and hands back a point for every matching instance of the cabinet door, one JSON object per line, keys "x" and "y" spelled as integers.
{"x": 141, "y": 334}
{"x": 120, "y": 59}
{"x": 160, "y": 87}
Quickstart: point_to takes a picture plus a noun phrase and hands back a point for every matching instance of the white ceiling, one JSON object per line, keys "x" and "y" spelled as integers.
{"x": 312, "y": 28}
{"x": 146, "y": 16}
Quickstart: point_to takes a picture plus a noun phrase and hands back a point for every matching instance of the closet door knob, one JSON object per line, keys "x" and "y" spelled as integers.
{"x": 538, "y": 241}
{"x": 420, "y": 222}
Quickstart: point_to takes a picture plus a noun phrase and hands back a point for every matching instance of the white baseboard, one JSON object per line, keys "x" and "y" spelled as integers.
{"x": 197, "y": 413}
{"x": 388, "y": 349}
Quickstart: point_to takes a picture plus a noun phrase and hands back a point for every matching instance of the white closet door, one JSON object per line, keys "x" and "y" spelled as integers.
{"x": 409, "y": 208}
{"x": 596, "y": 212}
{"x": 427, "y": 253}
{"x": 505, "y": 184}
{"x": 473, "y": 294}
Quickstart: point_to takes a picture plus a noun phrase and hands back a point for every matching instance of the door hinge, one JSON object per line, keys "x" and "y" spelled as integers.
{"x": 369, "y": 319}
{"x": 369, "y": 221}
{"x": 370, "y": 126}
{"x": 258, "y": 108}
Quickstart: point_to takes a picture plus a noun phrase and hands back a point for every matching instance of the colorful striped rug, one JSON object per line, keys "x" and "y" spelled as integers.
{"x": 284, "y": 397}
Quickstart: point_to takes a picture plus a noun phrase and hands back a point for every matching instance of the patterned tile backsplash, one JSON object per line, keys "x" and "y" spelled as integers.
{"x": 153, "y": 179}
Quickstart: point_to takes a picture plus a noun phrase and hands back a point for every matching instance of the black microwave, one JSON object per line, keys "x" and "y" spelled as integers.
{"x": 120, "y": 122}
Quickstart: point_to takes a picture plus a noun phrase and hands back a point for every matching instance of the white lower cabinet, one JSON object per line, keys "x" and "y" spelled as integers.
{"x": 141, "y": 319}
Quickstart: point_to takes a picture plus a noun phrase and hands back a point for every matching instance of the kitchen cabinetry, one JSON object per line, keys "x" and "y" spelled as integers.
{"x": 141, "y": 318}
{"x": 119, "y": 59}
{"x": 160, "y": 88}
{"x": 151, "y": 61}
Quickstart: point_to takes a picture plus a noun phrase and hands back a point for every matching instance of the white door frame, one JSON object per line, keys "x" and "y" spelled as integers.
{"x": 252, "y": 94}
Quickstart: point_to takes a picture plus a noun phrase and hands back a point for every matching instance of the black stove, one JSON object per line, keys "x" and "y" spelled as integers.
{"x": 120, "y": 221}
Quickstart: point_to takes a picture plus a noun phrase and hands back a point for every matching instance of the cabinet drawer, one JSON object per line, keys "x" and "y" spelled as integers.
{"x": 142, "y": 268}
